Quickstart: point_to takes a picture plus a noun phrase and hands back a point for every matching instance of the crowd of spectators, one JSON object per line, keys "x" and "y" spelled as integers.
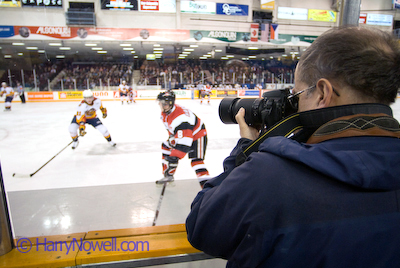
{"x": 215, "y": 72}
{"x": 62, "y": 75}
{"x": 101, "y": 75}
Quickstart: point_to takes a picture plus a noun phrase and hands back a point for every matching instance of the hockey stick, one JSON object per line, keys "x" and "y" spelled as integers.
{"x": 159, "y": 203}
{"x": 17, "y": 175}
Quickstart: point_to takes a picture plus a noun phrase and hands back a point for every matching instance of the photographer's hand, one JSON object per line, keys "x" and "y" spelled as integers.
{"x": 245, "y": 130}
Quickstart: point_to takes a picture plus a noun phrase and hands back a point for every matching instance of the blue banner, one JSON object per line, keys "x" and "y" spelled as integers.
{"x": 6, "y": 31}
{"x": 254, "y": 93}
{"x": 232, "y": 9}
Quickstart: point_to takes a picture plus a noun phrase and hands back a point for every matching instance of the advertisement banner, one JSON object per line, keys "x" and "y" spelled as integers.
{"x": 249, "y": 93}
{"x": 294, "y": 39}
{"x": 10, "y": 3}
{"x": 322, "y": 15}
{"x": 167, "y": 6}
{"x": 232, "y": 9}
{"x": 291, "y": 13}
{"x": 6, "y": 31}
{"x": 103, "y": 95}
{"x": 226, "y": 93}
{"x": 41, "y": 3}
{"x": 119, "y": 5}
{"x": 379, "y": 19}
{"x": 70, "y": 95}
{"x": 268, "y": 4}
{"x": 32, "y": 96}
{"x": 73, "y": 33}
{"x": 226, "y": 36}
{"x": 200, "y": 7}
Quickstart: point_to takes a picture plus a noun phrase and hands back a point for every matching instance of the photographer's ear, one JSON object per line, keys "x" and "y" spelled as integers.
{"x": 325, "y": 93}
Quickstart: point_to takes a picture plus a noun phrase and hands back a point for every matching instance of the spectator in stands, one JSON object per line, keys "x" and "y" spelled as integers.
{"x": 329, "y": 195}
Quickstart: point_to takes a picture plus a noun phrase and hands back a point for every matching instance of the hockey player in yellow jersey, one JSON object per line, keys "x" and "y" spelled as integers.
{"x": 86, "y": 114}
{"x": 123, "y": 92}
{"x": 9, "y": 92}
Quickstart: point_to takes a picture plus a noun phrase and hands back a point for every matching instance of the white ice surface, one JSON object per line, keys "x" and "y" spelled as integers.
{"x": 32, "y": 133}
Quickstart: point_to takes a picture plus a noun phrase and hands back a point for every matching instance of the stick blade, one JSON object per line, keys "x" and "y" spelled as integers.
{"x": 19, "y": 175}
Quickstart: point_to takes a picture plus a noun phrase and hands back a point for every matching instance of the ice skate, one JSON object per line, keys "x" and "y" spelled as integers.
{"x": 165, "y": 179}
{"x": 113, "y": 144}
{"x": 75, "y": 144}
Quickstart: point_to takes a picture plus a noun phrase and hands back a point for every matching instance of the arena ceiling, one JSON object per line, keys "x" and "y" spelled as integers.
{"x": 117, "y": 50}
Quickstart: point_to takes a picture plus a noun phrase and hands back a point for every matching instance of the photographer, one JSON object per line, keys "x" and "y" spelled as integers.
{"x": 331, "y": 199}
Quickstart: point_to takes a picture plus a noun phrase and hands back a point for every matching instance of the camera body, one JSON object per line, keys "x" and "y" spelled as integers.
{"x": 260, "y": 112}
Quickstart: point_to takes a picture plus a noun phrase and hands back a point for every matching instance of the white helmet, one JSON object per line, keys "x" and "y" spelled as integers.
{"x": 87, "y": 93}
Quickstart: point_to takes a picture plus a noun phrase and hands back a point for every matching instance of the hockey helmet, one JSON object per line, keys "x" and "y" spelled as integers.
{"x": 168, "y": 97}
{"x": 87, "y": 93}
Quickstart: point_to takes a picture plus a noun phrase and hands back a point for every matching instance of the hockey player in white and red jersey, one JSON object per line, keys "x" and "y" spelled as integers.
{"x": 86, "y": 114}
{"x": 9, "y": 92}
{"x": 206, "y": 91}
{"x": 131, "y": 95}
{"x": 123, "y": 91}
{"x": 187, "y": 135}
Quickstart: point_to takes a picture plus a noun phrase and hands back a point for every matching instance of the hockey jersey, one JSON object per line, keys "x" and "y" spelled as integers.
{"x": 8, "y": 91}
{"x": 87, "y": 111}
{"x": 183, "y": 127}
{"x": 123, "y": 88}
{"x": 207, "y": 90}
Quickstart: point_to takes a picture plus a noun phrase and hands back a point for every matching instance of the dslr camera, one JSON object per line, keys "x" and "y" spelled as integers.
{"x": 261, "y": 113}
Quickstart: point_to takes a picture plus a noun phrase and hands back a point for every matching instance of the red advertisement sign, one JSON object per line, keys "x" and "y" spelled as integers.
{"x": 63, "y": 32}
{"x": 40, "y": 95}
{"x": 149, "y": 5}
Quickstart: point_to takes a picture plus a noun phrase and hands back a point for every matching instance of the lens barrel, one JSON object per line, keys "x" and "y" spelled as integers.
{"x": 229, "y": 107}
{"x": 259, "y": 112}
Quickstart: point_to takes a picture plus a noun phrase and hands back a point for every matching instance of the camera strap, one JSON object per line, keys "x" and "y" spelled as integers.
{"x": 300, "y": 126}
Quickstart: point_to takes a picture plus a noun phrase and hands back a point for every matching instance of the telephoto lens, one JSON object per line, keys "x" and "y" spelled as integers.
{"x": 259, "y": 112}
{"x": 229, "y": 107}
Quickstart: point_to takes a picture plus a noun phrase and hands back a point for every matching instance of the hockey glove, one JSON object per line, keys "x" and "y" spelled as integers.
{"x": 82, "y": 131}
{"x": 104, "y": 111}
{"x": 171, "y": 141}
{"x": 170, "y": 168}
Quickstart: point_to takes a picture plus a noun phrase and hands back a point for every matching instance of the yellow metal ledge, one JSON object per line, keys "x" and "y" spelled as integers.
{"x": 99, "y": 247}
{"x": 138, "y": 247}
{"x": 39, "y": 256}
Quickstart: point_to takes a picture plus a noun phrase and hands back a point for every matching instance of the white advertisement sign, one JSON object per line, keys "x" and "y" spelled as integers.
{"x": 379, "y": 19}
{"x": 291, "y": 13}
{"x": 198, "y": 7}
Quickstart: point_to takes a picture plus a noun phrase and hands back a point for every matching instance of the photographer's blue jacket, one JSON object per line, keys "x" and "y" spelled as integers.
{"x": 334, "y": 203}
